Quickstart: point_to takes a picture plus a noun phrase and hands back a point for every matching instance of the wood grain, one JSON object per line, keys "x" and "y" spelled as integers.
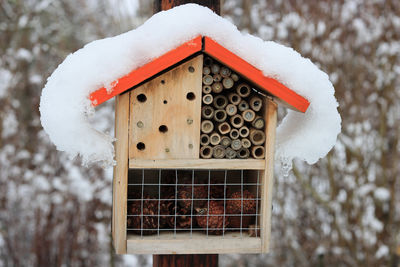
{"x": 183, "y": 243}
{"x": 173, "y": 101}
{"x": 120, "y": 180}
{"x": 209, "y": 164}
{"x": 268, "y": 174}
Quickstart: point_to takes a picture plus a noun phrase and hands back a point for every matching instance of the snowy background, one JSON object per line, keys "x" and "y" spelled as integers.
{"x": 344, "y": 210}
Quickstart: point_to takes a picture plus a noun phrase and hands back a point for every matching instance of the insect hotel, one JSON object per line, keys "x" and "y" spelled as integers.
{"x": 195, "y": 133}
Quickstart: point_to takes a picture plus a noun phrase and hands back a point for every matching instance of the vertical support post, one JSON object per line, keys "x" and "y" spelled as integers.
{"x": 268, "y": 174}
{"x": 206, "y": 260}
{"x": 120, "y": 180}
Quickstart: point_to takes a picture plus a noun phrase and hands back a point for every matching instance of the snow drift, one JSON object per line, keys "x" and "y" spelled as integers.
{"x": 65, "y": 104}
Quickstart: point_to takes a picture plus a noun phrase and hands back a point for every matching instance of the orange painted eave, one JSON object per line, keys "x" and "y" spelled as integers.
{"x": 255, "y": 75}
{"x": 148, "y": 70}
{"x": 216, "y": 51}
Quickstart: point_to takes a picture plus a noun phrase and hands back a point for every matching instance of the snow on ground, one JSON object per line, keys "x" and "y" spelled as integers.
{"x": 65, "y": 106}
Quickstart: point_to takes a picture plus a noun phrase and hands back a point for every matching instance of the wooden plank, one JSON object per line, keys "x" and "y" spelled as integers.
{"x": 172, "y": 101}
{"x": 199, "y": 243}
{"x": 268, "y": 174}
{"x": 120, "y": 180}
{"x": 253, "y": 74}
{"x": 212, "y": 164}
{"x": 147, "y": 71}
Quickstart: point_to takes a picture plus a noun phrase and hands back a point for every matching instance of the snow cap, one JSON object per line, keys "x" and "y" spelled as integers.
{"x": 65, "y": 105}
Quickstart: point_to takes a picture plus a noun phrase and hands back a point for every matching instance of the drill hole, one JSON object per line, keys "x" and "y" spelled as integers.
{"x": 163, "y": 129}
{"x": 190, "y": 96}
{"x": 140, "y": 146}
{"x": 165, "y": 101}
{"x": 142, "y": 98}
{"x": 191, "y": 69}
{"x": 162, "y": 82}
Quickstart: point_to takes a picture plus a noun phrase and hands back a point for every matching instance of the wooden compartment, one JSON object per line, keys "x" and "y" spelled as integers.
{"x": 177, "y": 150}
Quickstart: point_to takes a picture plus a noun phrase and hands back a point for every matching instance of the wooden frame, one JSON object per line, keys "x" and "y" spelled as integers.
{"x": 199, "y": 243}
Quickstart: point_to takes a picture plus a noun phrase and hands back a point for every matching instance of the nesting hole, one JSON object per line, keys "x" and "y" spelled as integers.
{"x": 191, "y": 69}
{"x": 237, "y": 120}
{"x": 140, "y": 146}
{"x": 235, "y": 134}
{"x": 165, "y": 101}
{"x": 141, "y": 98}
{"x": 242, "y": 153}
{"x": 204, "y": 139}
{"x": 257, "y": 137}
{"x": 225, "y": 127}
{"x": 219, "y": 114}
{"x": 163, "y": 128}
{"x": 162, "y": 81}
{"x": 190, "y": 96}
{"x": 258, "y": 152}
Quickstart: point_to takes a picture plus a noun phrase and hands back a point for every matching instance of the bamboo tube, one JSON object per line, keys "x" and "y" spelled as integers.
{"x": 236, "y": 144}
{"x": 258, "y": 152}
{"x": 208, "y": 99}
{"x": 231, "y": 109}
{"x": 225, "y": 72}
{"x": 257, "y": 137}
{"x": 217, "y": 78}
{"x": 230, "y": 153}
{"x": 206, "y": 70}
{"x": 235, "y": 77}
{"x": 217, "y": 88}
{"x": 244, "y": 131}
{"x": 215, "y": 138}
{"x": 215, "y": 68}
{"x": 207, "y": 126}
{"x": 243, "y": 90}
{"x": 220, "y": 115}
{"x": 225, "y": 141}
{"x": 227, "y": 83}
{"x": 243, "y": 105}
{"x": 207, "y": 89}
{"x": 208, "y": 79}
{"x": 237, "y": 121}
{"x": 207, "y": 112}
{"x": 255, "y": 103}
{"x": 220, "y": 102}
{"x": 219, "y": 152}
{"x": 243, "y": 153}
{"x": 206, "y": 152}
{"x": 246, "y": 143}
{"x": 208, "y": 61}
{"x": 258, "y": 123}
{"x": 234, "y": 98}
{"x": 248, "y": 115}
{"x": 224, "y": 128}
{"x": 204, "y": 139}
{"x": 234, "y": 134}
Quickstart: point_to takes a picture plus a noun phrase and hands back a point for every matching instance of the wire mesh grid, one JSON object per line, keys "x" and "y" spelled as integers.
{"x": 210, "y": 202}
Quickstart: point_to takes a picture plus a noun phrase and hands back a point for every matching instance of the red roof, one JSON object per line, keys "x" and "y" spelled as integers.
{"x": 215, "y": 50}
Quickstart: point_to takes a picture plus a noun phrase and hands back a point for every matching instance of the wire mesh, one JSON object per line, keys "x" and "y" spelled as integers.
{"x": 206, "y": 202}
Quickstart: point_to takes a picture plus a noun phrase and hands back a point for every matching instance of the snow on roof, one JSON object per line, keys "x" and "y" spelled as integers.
{"x": 65, "y": 104}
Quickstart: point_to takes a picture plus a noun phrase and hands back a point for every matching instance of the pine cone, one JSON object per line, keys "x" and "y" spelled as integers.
{"x": 185, "y": 194}
{"x": 234, "y": 206}
{"x": 217, "y": 189}
{"x": 183, "y": 218}
{"x": 167, "y": 208}
{"x": 150, "y": 207}
{"x": 216, "y": 219}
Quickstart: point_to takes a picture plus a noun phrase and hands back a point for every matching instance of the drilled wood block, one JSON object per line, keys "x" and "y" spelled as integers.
{"x": 165, "y": 114}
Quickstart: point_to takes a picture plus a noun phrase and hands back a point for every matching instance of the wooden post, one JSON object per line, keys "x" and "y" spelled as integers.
{"x": 206, "y": 260}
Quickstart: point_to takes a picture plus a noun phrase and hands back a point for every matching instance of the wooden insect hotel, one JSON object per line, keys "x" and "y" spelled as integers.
{"x": 195, "y": 133}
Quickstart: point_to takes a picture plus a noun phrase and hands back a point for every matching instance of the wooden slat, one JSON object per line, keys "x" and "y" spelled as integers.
{"x": 120, "y": 180}
{"x": 147, "y": 71}
{"x": 268, "y": 174}
{"x": 199, "y": 243}
{"x": 167, "y": 105}
{"x": 212, "y": 164}
{"x": 253, "y": 74}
